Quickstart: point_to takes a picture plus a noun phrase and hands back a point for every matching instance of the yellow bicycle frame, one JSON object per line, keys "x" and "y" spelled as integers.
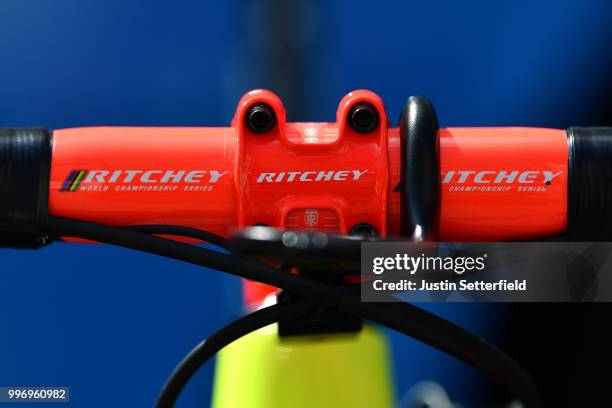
{"x": 264, "y": 370}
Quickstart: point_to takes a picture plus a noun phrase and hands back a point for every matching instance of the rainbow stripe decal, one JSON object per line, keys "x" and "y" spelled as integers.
{"x": 71, "y": 184}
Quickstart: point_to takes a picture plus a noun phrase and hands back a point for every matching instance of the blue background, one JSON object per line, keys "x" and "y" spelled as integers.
{"x": 111, "y": 324}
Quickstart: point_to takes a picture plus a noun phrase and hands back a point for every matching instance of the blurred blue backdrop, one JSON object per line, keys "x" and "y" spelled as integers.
{"x": 111, "y": 324}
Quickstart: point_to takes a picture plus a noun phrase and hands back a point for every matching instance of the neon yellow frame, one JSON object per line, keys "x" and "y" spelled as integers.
{"x": 262, "y": 370}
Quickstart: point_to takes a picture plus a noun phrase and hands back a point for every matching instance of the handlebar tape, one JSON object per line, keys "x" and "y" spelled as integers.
{"x": 25, "y": 163}
{"x": 589, "y": 184}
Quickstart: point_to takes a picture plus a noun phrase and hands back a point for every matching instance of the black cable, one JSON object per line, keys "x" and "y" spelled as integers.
{"x": 189, "y": 253}
{"x": 402, "y": 317}
{"x": 453, "y": 340}
{"x": 227, "y": 335}
{"x": 182, "y": 232}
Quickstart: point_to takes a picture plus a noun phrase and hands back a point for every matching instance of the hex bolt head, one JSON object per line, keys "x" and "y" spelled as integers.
{"x": 364, "y": 230}
{"x": 363, "y": 118}
{"x": 260, "y": 118}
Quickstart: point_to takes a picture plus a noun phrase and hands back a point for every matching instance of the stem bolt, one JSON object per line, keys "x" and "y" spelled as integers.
{"x": 260, "y": 118}
{"x": 364, "y": 230}
{"x": 363, "y": 118}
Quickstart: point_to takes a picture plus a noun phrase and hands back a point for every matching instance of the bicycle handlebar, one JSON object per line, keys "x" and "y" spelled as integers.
{"x": 351, "y": 176}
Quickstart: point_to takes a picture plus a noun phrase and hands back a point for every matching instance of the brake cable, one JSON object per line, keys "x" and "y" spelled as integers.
{"x": 402, "y": 317}
{"x": 179, "y": 231}
{"x": 228, "y": 334}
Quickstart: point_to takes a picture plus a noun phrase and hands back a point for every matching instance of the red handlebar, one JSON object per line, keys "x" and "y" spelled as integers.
{"x": 496, "y": 183}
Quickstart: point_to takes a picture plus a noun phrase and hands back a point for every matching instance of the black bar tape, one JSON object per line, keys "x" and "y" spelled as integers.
{"x": 25, "y": 164}
{"x": 589, "y": 199}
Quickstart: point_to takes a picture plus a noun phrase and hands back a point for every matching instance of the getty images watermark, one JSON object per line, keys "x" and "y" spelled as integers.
{"x": 502, "y": 272}
{"x": 408, "y": 264}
